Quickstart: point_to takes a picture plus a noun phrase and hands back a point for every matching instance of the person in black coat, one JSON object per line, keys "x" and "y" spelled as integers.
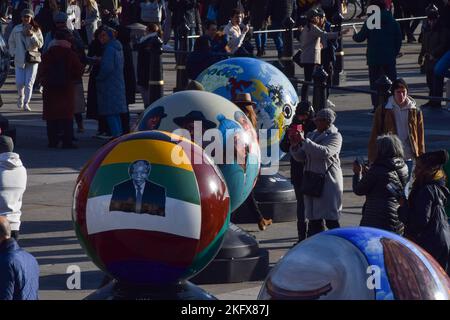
{"x": 380, "y": 208}
{"x": 138, "y": 194}
{"x": 279, "y": 11}
{"x": 258, "y": 19}
{"x": 424, "y": 212}
{"x": 225, "y": 10}
{"x": 303, "y": 116}
{"x": 201, "y": 58}
{"x": 183, "y": 13}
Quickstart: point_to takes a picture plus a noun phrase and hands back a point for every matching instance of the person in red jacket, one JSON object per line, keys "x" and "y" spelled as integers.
{"x": 59, "y": 69}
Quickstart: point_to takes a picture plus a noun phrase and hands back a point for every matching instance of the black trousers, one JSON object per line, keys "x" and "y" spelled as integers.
{"x": 301, "y": 221}
{"x": 252, "y": 206}
{"x": 375, "y": 72}
{"x": 317, "y": 226}
{"x": 308, "y": 69}
{"x": 59, "y": 130}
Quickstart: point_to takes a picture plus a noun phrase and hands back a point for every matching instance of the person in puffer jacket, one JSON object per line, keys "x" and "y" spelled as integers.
{"x": 19, "y": 270}
{"x": 13, "y": 182}
{"x": 380, "y": 209}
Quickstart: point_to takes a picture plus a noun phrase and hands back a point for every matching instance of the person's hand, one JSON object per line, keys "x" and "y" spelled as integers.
{"x": 357, "y": 168}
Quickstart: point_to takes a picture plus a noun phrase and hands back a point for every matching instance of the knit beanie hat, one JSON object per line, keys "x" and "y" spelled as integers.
{"x": 6, "y": 144}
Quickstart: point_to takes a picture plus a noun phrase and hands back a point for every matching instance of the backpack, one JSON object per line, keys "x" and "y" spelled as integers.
{"x": 57, "y": 74}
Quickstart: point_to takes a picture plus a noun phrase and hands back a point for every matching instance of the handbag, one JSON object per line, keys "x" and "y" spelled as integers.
{"x": 31, "y": 56}
{"x": 313, "y": 183}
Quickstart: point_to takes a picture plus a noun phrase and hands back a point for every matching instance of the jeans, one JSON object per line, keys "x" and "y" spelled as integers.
{"x": 276, "y": 36}
{"x": 25, "y": 78}
{"x": 260, "y": 40}
{"x": 114, "y": 124}
{"x": 442, "y": 67}
{"x": 375, "y": 72}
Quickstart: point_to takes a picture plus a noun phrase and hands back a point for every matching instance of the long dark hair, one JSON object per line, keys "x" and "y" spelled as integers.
{"x": 34, "y": 24}
{"x": 429, "y": 168}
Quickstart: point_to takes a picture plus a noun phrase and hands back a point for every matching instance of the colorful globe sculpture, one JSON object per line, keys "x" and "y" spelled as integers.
{"x": 356, "y": 264}
{"x": 145, "y": 218}
{"x": 223, "y": 131}
{"x": 275, "y": 97}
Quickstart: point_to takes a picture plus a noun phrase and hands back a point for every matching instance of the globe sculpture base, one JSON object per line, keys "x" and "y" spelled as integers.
{"x": 276, "y": 200}
{"x": 185, "y": 290}
{"x": 240, "y": 259}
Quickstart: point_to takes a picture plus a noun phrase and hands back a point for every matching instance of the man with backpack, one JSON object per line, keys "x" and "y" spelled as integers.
{"x": 58, "y": 71}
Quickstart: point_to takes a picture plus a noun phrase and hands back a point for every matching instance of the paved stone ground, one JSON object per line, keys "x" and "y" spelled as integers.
{"x": 47, "y": 229}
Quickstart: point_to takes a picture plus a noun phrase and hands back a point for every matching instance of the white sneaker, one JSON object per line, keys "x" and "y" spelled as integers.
{"x": 27, "y": 108}
{"x": 330, "y": 104}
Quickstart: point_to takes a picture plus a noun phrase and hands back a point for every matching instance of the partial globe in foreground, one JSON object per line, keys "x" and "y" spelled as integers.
{"x": 356, "y": 264}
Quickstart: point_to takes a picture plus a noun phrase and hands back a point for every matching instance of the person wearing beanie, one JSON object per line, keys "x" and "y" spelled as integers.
{"x": 402, "y": 117}
{"x": 13, "y": 182}
{"x": 423, "y": 214}
{"x": 320, "y": 150}
{"x": 303, "y": 119}
{"x": 24, "y": 43}
{"x": 434, "y": 46}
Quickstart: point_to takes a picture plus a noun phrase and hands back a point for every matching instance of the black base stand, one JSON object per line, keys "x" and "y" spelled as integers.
{"x": 276, "y": 200}
{"x": 181, "y": 291}
{"x": 240, "y": 259}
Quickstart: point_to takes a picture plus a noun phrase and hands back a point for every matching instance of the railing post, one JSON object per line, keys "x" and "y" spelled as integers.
{"x": 383, "y": 85}
{"x": 181, "y": 58}
{"x": 339, "y": 73}
{"x": 288, "y": 50}
{"x": 319, "y": 92}
{"x": 156, "y": 82}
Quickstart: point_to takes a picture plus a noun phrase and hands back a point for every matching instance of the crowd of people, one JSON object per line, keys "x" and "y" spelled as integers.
{"x": 54, "y": 44}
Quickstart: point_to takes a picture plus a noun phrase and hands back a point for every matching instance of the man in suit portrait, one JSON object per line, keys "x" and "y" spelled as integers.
{"x": 138, "y": 194}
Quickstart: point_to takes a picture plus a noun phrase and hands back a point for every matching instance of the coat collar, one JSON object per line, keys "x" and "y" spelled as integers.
{"x": 391, "y": 103}
{"x": 9, "y": 245}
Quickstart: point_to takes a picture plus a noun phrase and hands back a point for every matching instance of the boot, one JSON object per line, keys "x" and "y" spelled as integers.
{"x": 263, "y": 223}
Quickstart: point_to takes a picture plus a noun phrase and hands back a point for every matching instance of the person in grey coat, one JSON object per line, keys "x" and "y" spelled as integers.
{"x": 110, "y": 82}
{"x": 320, "y": 153}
